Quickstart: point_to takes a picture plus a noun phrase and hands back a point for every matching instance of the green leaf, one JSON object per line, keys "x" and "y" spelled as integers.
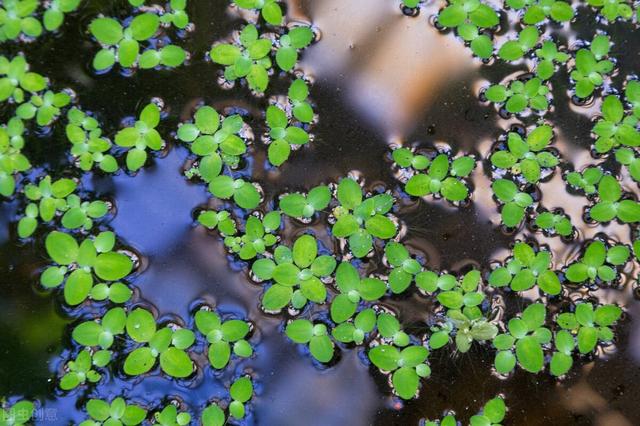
{"x": 140, "y": 361}
{"x": 405, "y": 382}
{"x": 176, "y": 363}
{"x": 112, "y": 266}
{"x": 529, "y": 354}
{"x": 107, "y": 31}
{"x": 62, "y": 248}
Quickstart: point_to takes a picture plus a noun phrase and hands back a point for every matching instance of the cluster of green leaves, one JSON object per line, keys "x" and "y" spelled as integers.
{"x": 222, "y": 220}
{"x": 18, "y": 414}
{"x": 167, "y": 343}
{"x": 610, "y": 204}
{"x": 216, "y": 141}
{"x": 315, "y": 335}
{"x": 223, "y": 337}
{"x": 83, "y": 369}
{"x": 250, "y": 57}
{"x": 240, "y": 392}
{"x": 615, "y": 128}
{"x": 587, "y": 181}
{"x": 537, "y": 11}
{"x": 116, "y": 413}
{"x": 406, "y": 366}
{"x": 78, "y": 263}
{"x": 356, "y": 331}
{"x": 360, "y": 219}
{"x": 304, "y": 206}
{"x": 296, "y": 274}
{"x": 18, "y": 17}
{"x": 492, "y": 414}
{"x": 403, "y": 268}
{"x": 548, "y": 56}
{"x": 469, "y": 17}
{"x": 171, "y": 416}
{"x": 515, "y": 202}
{"x": 49, "y": 198}
{"x": 526, "y": 269}
{"x": 598, "y": 263}
{"x": 101, "y": 332}
{"x": 142, "y": 135}
{"x": 12, "y": 160}
{"x": 519, "y": 96}
{"x": 298, "y": 98}
{"x": 629, "y": 158}
{"x": 439, "y": 175}
{"x": 352, "y": 290}
{"x": 176, "y": 14}
{"x": 613, "y": 9}
{"x": 529, "y": 157}
{"x": 554, "y": 224}
{"x": 522, "y": 341}
{"x": 88, "y": 146}
{"x": 283, "y": 135}
{"x": 123, "y": 45}
{"x": 259, "y": 235}
{"x": 512, "y": 50}
{"x": 270, "y": 10}
{"x": 591, "y": 66}
{"x": 245, "y": 194}
{"x": 16, "y": 79}
{"x": 44, "y": 108}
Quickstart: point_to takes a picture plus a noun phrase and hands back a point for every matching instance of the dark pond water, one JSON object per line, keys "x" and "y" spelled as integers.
{"x": 380, "y": 78}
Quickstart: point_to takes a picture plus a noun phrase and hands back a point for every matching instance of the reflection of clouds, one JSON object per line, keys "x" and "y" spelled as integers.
{"x": 583, "y": 399}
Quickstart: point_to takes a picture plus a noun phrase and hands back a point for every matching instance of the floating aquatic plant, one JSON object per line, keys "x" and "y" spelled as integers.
{"x": 406, "y": 366}
{"x": 315, "y": 335}
{"x": 352, "y": 290}
{"x": 224, "y": 337}
{"x": 587, "y": 180}
{"x": 114, "y": 413}
{"x": 357, "y": 330}
{"x": 170, "y": 416}
{"x": 83, "y": 369}
{"x": 89, "y": 146}
{"x": 615, "y": 128}
{"x": 611, "y": 205}
{"x": 519, "y": 96}
{"x": 45, "y": 109}
{"x": 598, "y": 263}
{"x": 290, "y": 44}
{"x": 12, "y": 160}
{"x": 142, "y": 135}
{"x": 258, "y": 236}
{"x": 554, "y": 224}
{"x": 537, "y": 11}
{"x": 270, "y": 10}
{"x": 245, "y": 194}
{"x": 241, "y": 392}
{"x": 469, "y": 17}
{"x": 103, "y": 331}
{"x": 283, "y": 135}
{"x": 16, "y": 79}
{"x": 16, "y": 18}
{"x": 222, "y": 220}
{"x": 515, "y": 202}
{"x": 590, "y": 325}
{"x": 512, "y": 50}
{"x": 18, "y": 414}
{"x": 549, "y": 57}
{"x": 306, "y": 205}
{"x": 592, "y": 66}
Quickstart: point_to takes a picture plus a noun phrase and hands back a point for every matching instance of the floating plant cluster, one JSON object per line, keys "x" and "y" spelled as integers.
{"x": 320, "y": 285}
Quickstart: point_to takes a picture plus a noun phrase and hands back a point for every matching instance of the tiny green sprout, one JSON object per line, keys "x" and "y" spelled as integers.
{"x": 221, "y": 220}
{"x": 168, "y": 343}
{"x": 632, "y": 96}
{"x": 115, "y": 292}
{"x": 529, "y": 158}
{"x": 259, "y": 235}
{"x": 223, "y": 337}
{"x": 591, "y": 66}
{"x": 610, "y": 204}
{"x": 46, "y": 199}
{"x": 213, "y": 415}
{"x": 18, "y": 414}
{"x": 12, "y": 161}
{"x": 598, "y": 263}
{"x": 116, "y": 413}
{"x": 360, "y": 220}
{"x": 352, "y": 290}
{"x": 102, "y": 331}
{"x": 515, "y": 203}
{"x": 548, "y": 57}
{"x": 245, "y": 194}
{"x": 282, "y": 135}
{"x": 493, "y": 412}
{"x": 587, "y": 181}
{"x": 468, "y": 17}
{"x": 526, "y": 269}
{"x": 512, "y": 50}
{"x": 315, "y": 335}
{"x": 289, "y": 44}
{"x": 305, "y": 206}
{"x": 176, "y": 14}
{"x": 215, "y": 141}
{"x": 123, "y": 45}
{"x": 241, "y": 392}
{"x": 16, "y": 79}
{"x": 391, "y": 331}
{"x": 81, "y": 370}
{"x": 89, "y": 147}
{"x": 469, "y": 326}
{"x": 79, "y": 262}
{"x": 270, "y": 10}
{"x": 18, "y": 18}
{"x": 443, "y": 177}
{"x": 140, "y": 136}
{"x": 613, "y": 9}
{"x": 590, "y": 325}
{"x": 519, "y": 96}
{"x": 403, "y": 267}
{"x": 405, "y": 158}
{"x": 561, "y": 360}
{"x": 170, "y": 416}
{"x": 298, "y": 99}
{"x": 537, "y": 11}
{"x": 527, "y": 334}
{"x": 296, "y": 274}
{"x": 45, "y": 109}
{"x": 628, "y": 158}
{"x": 249, "y": 60}
{"x": 407, "y": 366}
{"x": 615, "y": 128}
{"x": 554, "y": 224}
{"x": 53, "y": 17}
{"x": 356, "y": 331}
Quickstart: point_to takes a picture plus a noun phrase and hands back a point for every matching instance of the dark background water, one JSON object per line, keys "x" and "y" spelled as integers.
{"x": 380, "y": 77}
